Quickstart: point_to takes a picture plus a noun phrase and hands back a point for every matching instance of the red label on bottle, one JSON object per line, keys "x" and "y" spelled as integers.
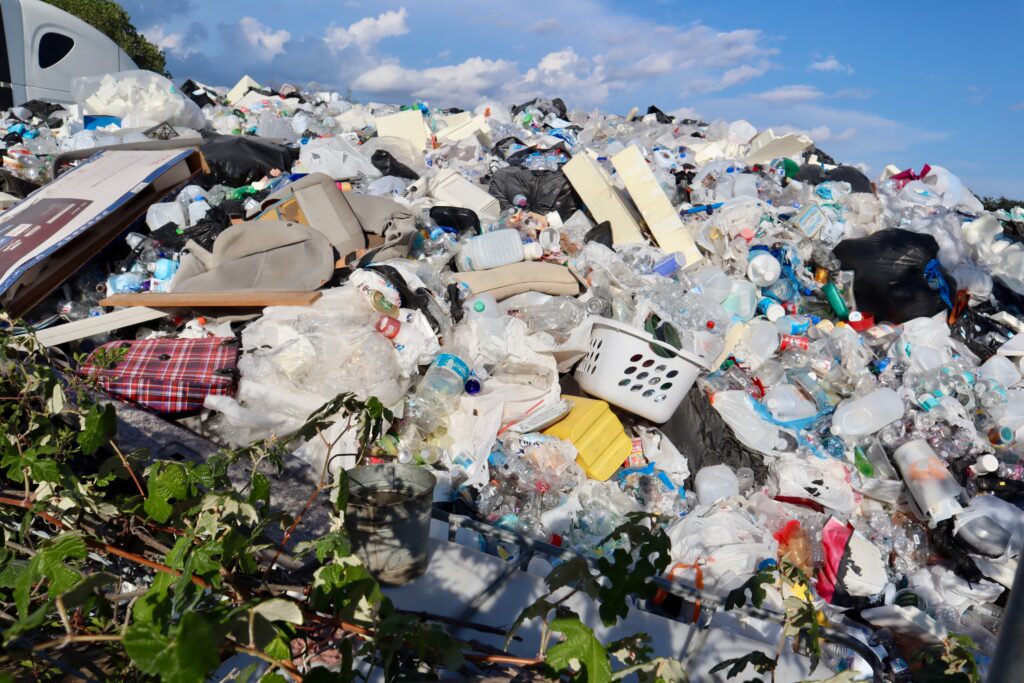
{"x": 791, "y": 341}
{"x": 388, "y": 326}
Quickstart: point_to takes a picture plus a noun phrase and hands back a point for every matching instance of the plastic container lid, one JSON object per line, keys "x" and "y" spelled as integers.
{"x": 764, "y": 270}
{"x": 860, "y": 321}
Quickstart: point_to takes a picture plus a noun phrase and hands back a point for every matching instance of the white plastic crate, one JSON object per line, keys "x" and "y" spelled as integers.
{"x": 623, "y": 369}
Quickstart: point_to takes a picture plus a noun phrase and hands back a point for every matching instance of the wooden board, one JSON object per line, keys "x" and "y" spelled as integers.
{"x": 242, "y": 299}
{"x": 88, "y": 327}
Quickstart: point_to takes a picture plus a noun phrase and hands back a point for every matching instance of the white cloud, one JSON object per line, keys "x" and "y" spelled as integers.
{"x": 368, "y": 31}
{"x": 846, "y": 135}
{"x": 581, "y": 81}
{"x": 731, "y": 77}
{"x": 1017, "y": 107}
{"x": 174, "y": 43}
{"x": 830, "y": 63}
{"x": 463, "y": 83}
{"x": 789, "y": 94}
{"x": 269, "y": 43}
{"x": 543, "y": 27}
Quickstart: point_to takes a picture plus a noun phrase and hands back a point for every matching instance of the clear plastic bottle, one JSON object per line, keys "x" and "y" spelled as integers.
{"x": 438, "y": 392}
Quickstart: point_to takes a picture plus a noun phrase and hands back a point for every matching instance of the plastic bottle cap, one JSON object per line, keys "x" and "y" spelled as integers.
{"x": 986, "y": 464}
{"x": 479, "y": 306}
{"x": 764, "y": 270}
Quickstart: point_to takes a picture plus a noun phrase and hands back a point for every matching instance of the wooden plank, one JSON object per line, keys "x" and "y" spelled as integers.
{"x": 241, "y": 299}
{"x": 88, "y": 327}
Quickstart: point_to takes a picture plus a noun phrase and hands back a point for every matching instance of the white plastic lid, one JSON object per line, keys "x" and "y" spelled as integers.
{"x": 764, "y": 269}
{"x": 533, "y": 251}
{"x": 986, "y": 464}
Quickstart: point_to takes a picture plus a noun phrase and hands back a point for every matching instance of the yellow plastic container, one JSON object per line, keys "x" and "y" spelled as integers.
{"x": 597, "y": 434}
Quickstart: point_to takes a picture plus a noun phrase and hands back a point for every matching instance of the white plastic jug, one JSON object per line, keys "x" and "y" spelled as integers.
{"x": 785, "y": 402}
{"x": 932, "y": 486}
{"x": 868, "y": 414}
{"x": 490, "y": 250}
{"x": 714, "y": 482}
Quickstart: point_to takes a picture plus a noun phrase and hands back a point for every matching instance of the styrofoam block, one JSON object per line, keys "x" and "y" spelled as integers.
{"x": 594, "y": 186}
{"x": 451, "y": 187}
{"x": 664, "y": 223}
{"x": 406, "y": 124}
{"x": 767, "y": 146}
{"x": 243, "y": 86}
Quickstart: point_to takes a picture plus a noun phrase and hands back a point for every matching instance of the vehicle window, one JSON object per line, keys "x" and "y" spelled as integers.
{"x": 54, "y": 47}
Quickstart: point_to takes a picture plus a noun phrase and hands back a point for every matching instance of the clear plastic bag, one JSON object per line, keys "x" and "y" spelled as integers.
{"x": 139, "y": 98}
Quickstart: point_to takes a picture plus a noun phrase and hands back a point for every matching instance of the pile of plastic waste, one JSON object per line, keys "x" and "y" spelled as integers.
{"x": 575, "y": 316}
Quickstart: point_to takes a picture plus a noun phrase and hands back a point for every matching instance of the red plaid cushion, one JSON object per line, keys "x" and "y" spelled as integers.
{"x": 168, "y": 375}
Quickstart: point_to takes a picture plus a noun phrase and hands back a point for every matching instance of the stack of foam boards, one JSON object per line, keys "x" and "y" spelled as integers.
{"x": 662, "y": 220}
{"x": 594, "y": 186}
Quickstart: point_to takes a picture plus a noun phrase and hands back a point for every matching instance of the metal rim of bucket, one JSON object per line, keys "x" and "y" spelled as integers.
{"x": 354, "y": 501}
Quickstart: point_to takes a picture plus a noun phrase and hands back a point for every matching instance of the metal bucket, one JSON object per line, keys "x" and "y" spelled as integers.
{"x": 388, "y": 519}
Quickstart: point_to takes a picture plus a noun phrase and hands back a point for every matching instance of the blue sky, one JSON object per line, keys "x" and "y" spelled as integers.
{"x": 873, "y": 83}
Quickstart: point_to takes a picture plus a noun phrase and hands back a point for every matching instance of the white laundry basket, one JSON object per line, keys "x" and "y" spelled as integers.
{"x": 623, "y": 369}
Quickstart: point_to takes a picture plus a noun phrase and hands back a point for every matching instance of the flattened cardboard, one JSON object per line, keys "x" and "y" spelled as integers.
{"x": 57, "y": 229}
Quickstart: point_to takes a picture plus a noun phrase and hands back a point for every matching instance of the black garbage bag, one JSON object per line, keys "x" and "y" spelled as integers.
{"x": 823, "y": 158}
{"x": 699, "y": 431}
{"x": 545, "y": 191}
{"x": 45, "y": 110}
{"x": 237, "y": 160}
{"x": 896, "y": 275}
{"x": 198, "y": 93}
{"x": 202, "y": 233}
{"x": 464, "y": 220}
{"x": 810, "y": 174}
{"x": 982, "y": 335}
{"x": 556, "y": 106}
{"x": 502, "y": 146}
{"x": 659, "y": 115}
{"x": 848, "y": 174}
{"x": 601, "y": 233}
{"x": 387, "y": 164}
{"x": 519, "y": 156}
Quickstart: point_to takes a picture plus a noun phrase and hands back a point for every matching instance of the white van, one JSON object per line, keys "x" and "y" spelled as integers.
{"x": 45, "y": 47}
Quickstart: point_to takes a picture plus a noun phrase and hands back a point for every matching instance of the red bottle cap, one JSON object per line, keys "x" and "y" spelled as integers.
{"x": 388, "y": 326}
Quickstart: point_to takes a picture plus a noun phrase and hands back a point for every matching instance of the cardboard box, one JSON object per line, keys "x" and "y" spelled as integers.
{"x": 662, "y": 220}
{"x": 595, "y": 188}
{"x": 57, "y": 229}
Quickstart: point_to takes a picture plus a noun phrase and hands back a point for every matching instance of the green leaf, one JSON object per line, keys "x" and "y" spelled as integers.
{"x": 167, "y": 482}
{"x": 184, "y": 655}
{"x": 761, "y": 662}
{"x": 273, "y": 677}
{"x": 99, "y": 427}
{"x": 279, "y": 609}
{"x": 755, "y": 584}
{"x": 538, "y": 610}
{"x": 260, "y": 489}
{"x": 579, "y": 651}
{"x": 574, "y": 572}
{"x": 55, "y": 404}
